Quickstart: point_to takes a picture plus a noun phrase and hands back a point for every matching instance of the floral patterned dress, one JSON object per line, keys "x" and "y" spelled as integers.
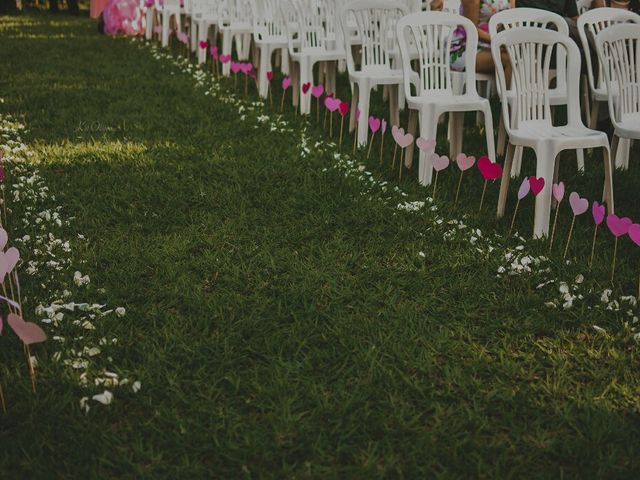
{"x": 487, "y": 9}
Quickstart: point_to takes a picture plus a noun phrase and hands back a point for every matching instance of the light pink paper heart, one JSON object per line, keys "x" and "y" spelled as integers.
{"x": 439, "y": 162}
{"x": 374, "y": 124}
{"x": 426, "y": 145}
{"x": 404, "y": 139}
{"x": 537, "y": 184}
{"x": 618, "y": 226}
{"x": 332, "y": 104}
{"x": 465, "y": 162}
{"x": 523, "y": 191}
{"x": 27, "y": 332}
{"x": 236, "y": 67}
{"x": 488, "y": 169}
{"x": 286, "y": 83}
{"x": 157, "y": 29}
{"x": 578, "y": 205}
{"x": 3, "y": 238}
{"x": 12, "y": 255}
{"x": 317, "y": 91}
{"x": 634, "y": 233}
{"x": 597, "y": 211}
{"x": 558, "y": 191}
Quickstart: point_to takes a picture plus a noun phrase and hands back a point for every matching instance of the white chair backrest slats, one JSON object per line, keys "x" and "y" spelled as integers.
{"x": 426, "y": 37}
{"x": 268, "y": 24}
{"x": 204, "y": 7}
{"x": 619, "y": 49}
{"x": 234, "y": 12}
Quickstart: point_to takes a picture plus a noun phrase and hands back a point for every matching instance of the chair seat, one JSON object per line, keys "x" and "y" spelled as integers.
{"x": 531, "y": 134}
{"x": 629, "y": 127}
{"x": 205, "y": 17}
{"x": 453, "y": 103}
{"x": 379, "y": 74}
{"x": 274, "y": 42}
{"x": 319, "y": 55}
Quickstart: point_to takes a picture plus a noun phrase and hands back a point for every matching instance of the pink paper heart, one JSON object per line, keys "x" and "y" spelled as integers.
{"x": 597, "y": 211}
{"x": 286, "y": 83}
{"x": 306, "y": 87}
{"x": 246, "y": 67}
{"x": 558, "y": 191}
{"x": 27, "y": 332}
{"x": 618, "y": 226}
{"x": 317, "y": 91}
{"x": 465, "y": 162}
{"x": 488, "y": 169}
{"x": 157, "y": 29}
{"x": 425, "y": 145}
{"x": 578, "y": 205}
{"x": 634, "y": 233}
{"x": 525, "y": 186}
{"x": 332, "y": 104}
{"x": 374, "y": 124}
{"x": 236, "y": 67}
{"x": 344, "y": 108}
{"x": 203, "y": 44}
{"x": 214, "y": 53}
{"x": 269, "y": 75}
{"x": 537, "y": 184}
{"x": 3, "y": 238}
{"x": 383, "y": 128}
{"x": 438, "y": 162}
{"x": 11, "y": 257}
{"x": 403, "y": 139}
{"x": 225, "y": 58}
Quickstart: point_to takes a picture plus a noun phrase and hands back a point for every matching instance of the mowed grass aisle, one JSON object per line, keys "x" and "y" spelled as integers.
{"x": 281, "y": 325}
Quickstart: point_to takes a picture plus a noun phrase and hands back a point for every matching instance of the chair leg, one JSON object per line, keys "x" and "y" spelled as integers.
{"x": 284, "y": 61}
{"x": 580, "y": 159}
{"x": 364, "y": 94}
{"x": 394, "y": 111}
{"x": 595, "y": 109}
{"x": 504, "y": 183}
{"x": 148, "y": 27}
{"x": 545, "y": 165}
{"x": 412, "y": 128}
{"x": 264, "y": 64}
{"x": 227, "y": 38}
{"x": 502, "y": 137}
{"x": 456, "y": 127}
{"x": 165, "y": 29}
{"x": 608, "y": 157}
{"x": 586, "y": 115}
{"x": 517, "y": 162}
{"x": 354, "y": 107}
{"x": 621, "y": 158}
{"x": 428, "y": 129}
{"x": 306, "y": 76}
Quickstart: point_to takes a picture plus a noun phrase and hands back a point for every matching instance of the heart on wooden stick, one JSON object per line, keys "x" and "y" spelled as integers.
{"x": 28, "y": 332}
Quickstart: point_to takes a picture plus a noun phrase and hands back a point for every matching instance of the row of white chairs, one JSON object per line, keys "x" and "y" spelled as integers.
{"x": 390, "y": 44}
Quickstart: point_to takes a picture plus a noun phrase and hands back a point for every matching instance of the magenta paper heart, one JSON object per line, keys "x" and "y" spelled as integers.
{"x": 183, "y": 37}
{"x": 269, "y": 75}
{"x": 286, "y": 83}
{"x": 343, "y": 109}
{"x": 214, "y": 53}
{"x": 236, "y": 67}
{"x": 634, "y": 233}
{"x": 383, "y": 128}
{"x": 439, "y": 162}
{"x": 465, "y": 162}
{"x": 27, "y": 332}
{"x": 537, "y": 184}
{"x": 225, "y": 58}
{"x": 246, "y": 68}
{"x": 332, "y": 104}
{"x": 317, "y": 91}
{"x": 488, "y": 169}
{"x": 306, "y": 87}
{"x": 523, "y": 191}
{"x": 597, "y": 211}
{"x": 425, "y": 145}
{"x": 203, "y": 44}
{"x": 558, "y": 191}
{"x": 149, "y": 3}
{"x": 578, "y": 205}
{"x": 374, "y": 124}
{"x": 618, "y": 226}
{"x": 3, "y": 238}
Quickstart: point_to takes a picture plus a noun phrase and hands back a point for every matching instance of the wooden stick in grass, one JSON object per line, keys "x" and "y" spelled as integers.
{"x": 523, "y": 191}
{"x": 489, "y": 171}
{"x": 464, "y": 162}
{"x": 269, "y": 78}
{"x": 618, "y": 227}
{"x": 597, "y": 211}
{"x": 343, "y": 109}
{"x": 355, "y": 131}
{"x": 383, "y": 129}
{"x": 286, "y": 83}
{"x": 374, "y": 126}
{"x": 403, "y": 140}
{"x": 578, "y": 206}
{"x": 439, "y": 163}
{"x": 557, "y": 190}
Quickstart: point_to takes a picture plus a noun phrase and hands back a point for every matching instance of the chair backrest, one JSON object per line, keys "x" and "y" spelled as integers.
{"x": 583, "y": 6}
{"x": 375, "y": 31}
{"x": 534, "y": 18}
{"x": 590, "y": 24}
{"x": 204, "y": 7}
{"x": 305, "y": 25}
{"x": 268, "y": 24}
{"x": 530, "y": 55}
{"x": 451, "y": 6}
{"x": 619, "y": 49}
{"x": 234, "y": 12}
{"x": 425, "y": 41}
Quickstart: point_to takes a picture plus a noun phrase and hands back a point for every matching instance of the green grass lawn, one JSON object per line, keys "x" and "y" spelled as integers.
{"x": 285, "y": 320}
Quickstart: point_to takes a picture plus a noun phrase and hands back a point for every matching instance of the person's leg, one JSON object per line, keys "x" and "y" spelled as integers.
{"x": 484, "y": 64}
{"x": 73, "y": 7}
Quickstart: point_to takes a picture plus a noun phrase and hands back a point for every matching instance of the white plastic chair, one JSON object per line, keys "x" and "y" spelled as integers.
{"x": 619, "y": 51}
{"x": 307, "y": 27}
{"x": 590, "y": 24}
{"x": 168, "y": 9}
{"x": 269, "y": 35}
{"x": 204, "y": 15}
{"x": 234, "y": 22}
{"x": 528, "y": 112}
{"x": 542, "y": 19}
{"x": 375, "y": 29}
{"x": 150, "y": 16}
{"x": 430, "y": 89}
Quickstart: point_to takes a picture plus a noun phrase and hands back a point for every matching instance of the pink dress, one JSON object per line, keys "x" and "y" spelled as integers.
{"x": 97, "y": 6}
{"x": 123, "y": 17}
